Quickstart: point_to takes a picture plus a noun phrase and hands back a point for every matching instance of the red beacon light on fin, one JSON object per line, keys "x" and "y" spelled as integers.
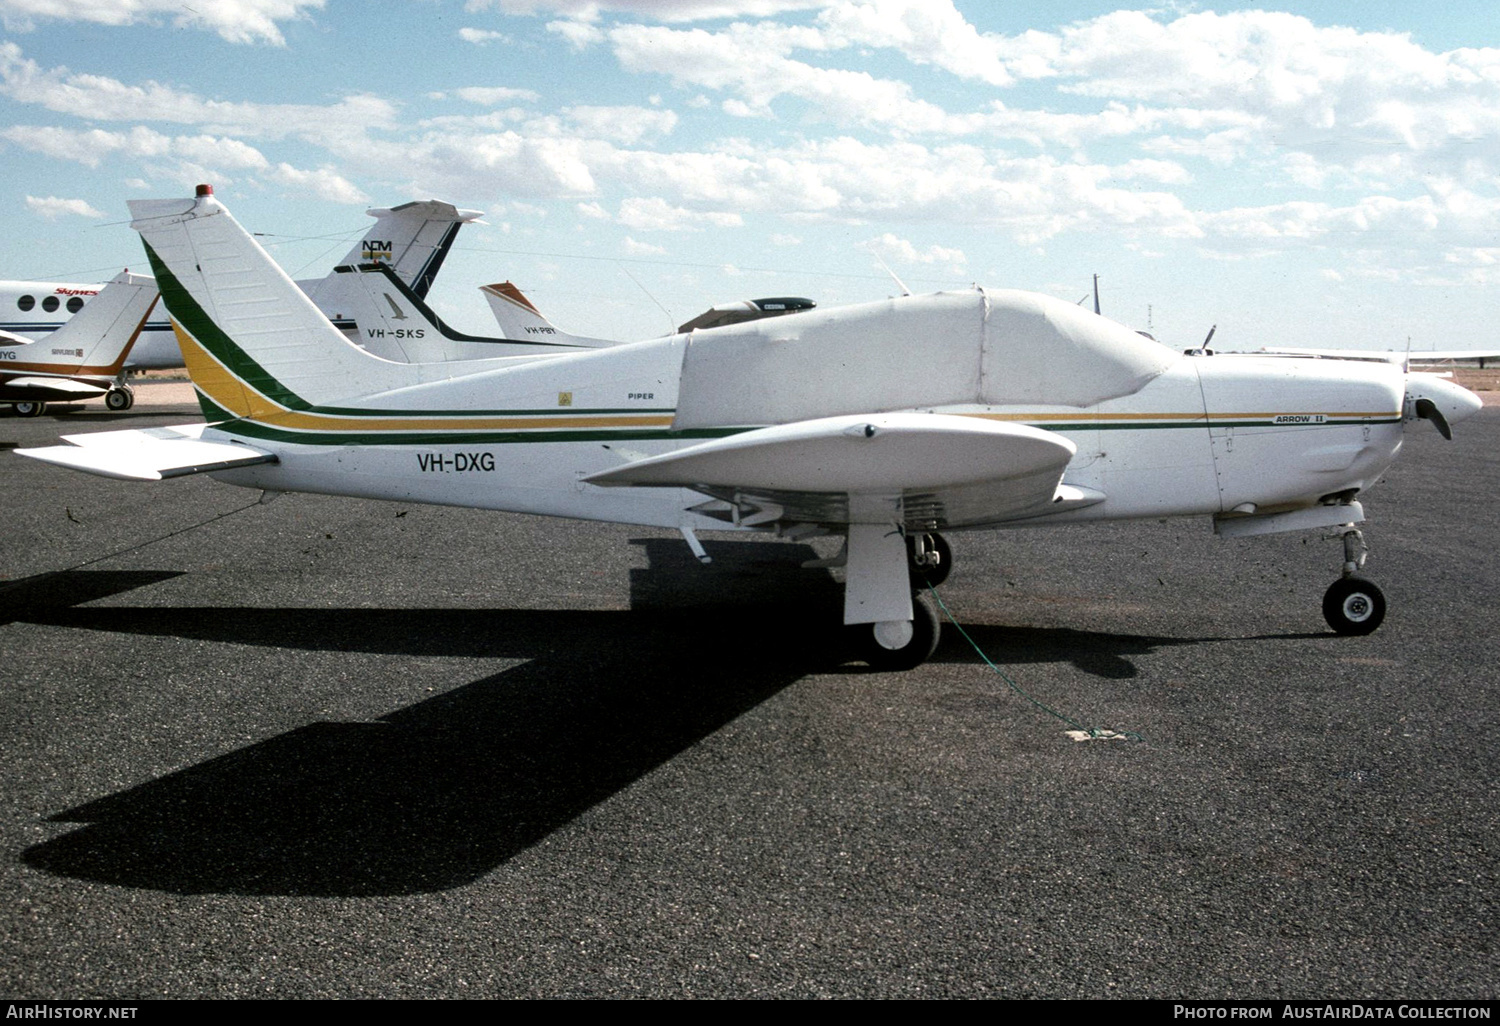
{"x": 205, "y": 190}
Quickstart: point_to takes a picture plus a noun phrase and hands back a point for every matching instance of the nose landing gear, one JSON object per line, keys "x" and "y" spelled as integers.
{"x": 1353, "y": 605}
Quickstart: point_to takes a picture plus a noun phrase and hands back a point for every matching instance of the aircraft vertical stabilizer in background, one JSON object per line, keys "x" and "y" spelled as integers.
{"x": 413, "y": 239}
{"x": 519, "y": 318}
{"x": 84, "y": 358}
{"x": 392, "y": 322}
{"x": 882, "y": 423}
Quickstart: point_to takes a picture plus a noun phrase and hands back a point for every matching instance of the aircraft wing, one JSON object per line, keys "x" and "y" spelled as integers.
{"x": 151, "y": 454}
{"x": 1389, "y": 355}
{"x": 946, "y": 471}
{"x": 57, "y": 387}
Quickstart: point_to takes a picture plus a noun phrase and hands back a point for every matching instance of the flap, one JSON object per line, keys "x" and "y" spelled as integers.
{"x": 60, "y": 385}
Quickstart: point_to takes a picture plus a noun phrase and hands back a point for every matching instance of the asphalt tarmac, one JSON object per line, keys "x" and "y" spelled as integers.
{"x": 335, "y": 748}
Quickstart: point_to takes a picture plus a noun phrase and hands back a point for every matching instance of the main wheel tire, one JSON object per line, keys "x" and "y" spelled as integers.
{"x": 29, "y": 409}
{"x": 911, "y": 649}
{"x": 922, "y": 576}
{"x": 1353, "y": 605}
{"x": 119, "y": 399}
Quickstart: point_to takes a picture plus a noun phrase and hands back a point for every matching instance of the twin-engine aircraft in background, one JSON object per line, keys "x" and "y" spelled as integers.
{"x": 395, "y": 323}
{"x": 519, "y": 318}
{"x": 885, "y": 423}
{"x": 412, "y": 239}
{"x": 83, "y": 359}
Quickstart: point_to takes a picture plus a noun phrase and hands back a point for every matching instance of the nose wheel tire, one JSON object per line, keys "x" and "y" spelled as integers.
{"x": 1353, "y": 606}
{"x": 29, "y": 409}
{"x": 905, "y": 644}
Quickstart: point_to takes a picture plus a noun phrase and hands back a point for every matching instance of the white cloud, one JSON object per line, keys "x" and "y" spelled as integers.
{"x": 108, "y": 99}
{"x": 626, "y": 125}
{"x": 482, "y": 37}
{"x": 53, "y": 207}
{"x": 493, "y": 96}
{"x": 238, "y": 21}
{"x": 656, "y": 214}
{"x": 656, "y": 10}
{"x": 892, "y": 247}
{"x": 641, "y": 248}
{"x": 90, "y": 146}
{"x": 324, "y": 183}
{"x": 579, "y": 34}
{"x": 925, "y": 31}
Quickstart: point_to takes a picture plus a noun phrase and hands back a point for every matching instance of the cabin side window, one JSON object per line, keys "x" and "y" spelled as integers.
{"x": 75, "y": 304}
{"x": 26, "y": 303}
{"x": 50, "y": 303}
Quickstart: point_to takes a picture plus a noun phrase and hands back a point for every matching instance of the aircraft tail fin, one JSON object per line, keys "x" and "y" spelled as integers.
{"x": 413, "y": 239}
{"x": 396, "y": 324}
{"x": 98, "y": 337}
{"x": 519, "y": 318}
{"x": 256, "y": 346}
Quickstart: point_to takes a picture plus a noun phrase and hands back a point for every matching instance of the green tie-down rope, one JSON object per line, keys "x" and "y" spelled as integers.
{"x": 1094, "y": 733}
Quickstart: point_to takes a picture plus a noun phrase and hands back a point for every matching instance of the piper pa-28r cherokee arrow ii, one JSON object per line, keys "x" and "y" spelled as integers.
{"x": 885, "y": 422}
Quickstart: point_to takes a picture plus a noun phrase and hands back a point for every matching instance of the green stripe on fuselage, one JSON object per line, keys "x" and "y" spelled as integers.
{"x": 186, "y": 311}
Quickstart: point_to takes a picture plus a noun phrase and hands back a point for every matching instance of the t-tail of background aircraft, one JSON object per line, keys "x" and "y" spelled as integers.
{"x": 413, "y": 239}
{"x": 85, "y": 357}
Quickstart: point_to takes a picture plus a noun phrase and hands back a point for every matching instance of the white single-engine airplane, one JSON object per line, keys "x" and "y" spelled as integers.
{"x": 84, "y": 358}
{"x": 885, "y": 423}
{"x": 413, "y": 239}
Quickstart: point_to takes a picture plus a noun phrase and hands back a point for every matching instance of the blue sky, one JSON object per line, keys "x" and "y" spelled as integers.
{"x": 1314, "y": 174}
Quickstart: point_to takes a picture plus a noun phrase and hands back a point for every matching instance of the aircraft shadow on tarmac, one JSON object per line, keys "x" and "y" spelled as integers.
{"x": 437, "y": 794}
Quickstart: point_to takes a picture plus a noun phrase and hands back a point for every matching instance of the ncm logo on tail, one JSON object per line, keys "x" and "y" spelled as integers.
{"x": 375, "y": 249}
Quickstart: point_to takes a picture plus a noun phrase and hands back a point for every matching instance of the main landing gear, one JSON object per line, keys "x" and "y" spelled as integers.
{"x": 1353, "y": 605}
{"x": 119, "y": 398}
{"x": 903, "y": 644}
{"x": 898, "y": 636}
{"x": 29, "y": 409}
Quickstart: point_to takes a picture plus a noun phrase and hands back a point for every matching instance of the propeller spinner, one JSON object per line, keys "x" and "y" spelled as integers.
{"x": 1439, "y": 400}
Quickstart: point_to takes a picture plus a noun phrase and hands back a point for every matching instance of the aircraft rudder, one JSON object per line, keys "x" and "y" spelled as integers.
{"x": 103, "y": 332}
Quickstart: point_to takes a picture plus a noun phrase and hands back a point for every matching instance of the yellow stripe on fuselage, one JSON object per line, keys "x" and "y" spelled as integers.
{"x": 228, "y": 391}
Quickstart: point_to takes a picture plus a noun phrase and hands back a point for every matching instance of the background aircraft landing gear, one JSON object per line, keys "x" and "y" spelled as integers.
{"x": 902, "y": 644}
{"x": 119, "y": 398}
{"x": 929, "y": 558}
{"x": 29, "y": 409}
{"x": 1353, "y": 605}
